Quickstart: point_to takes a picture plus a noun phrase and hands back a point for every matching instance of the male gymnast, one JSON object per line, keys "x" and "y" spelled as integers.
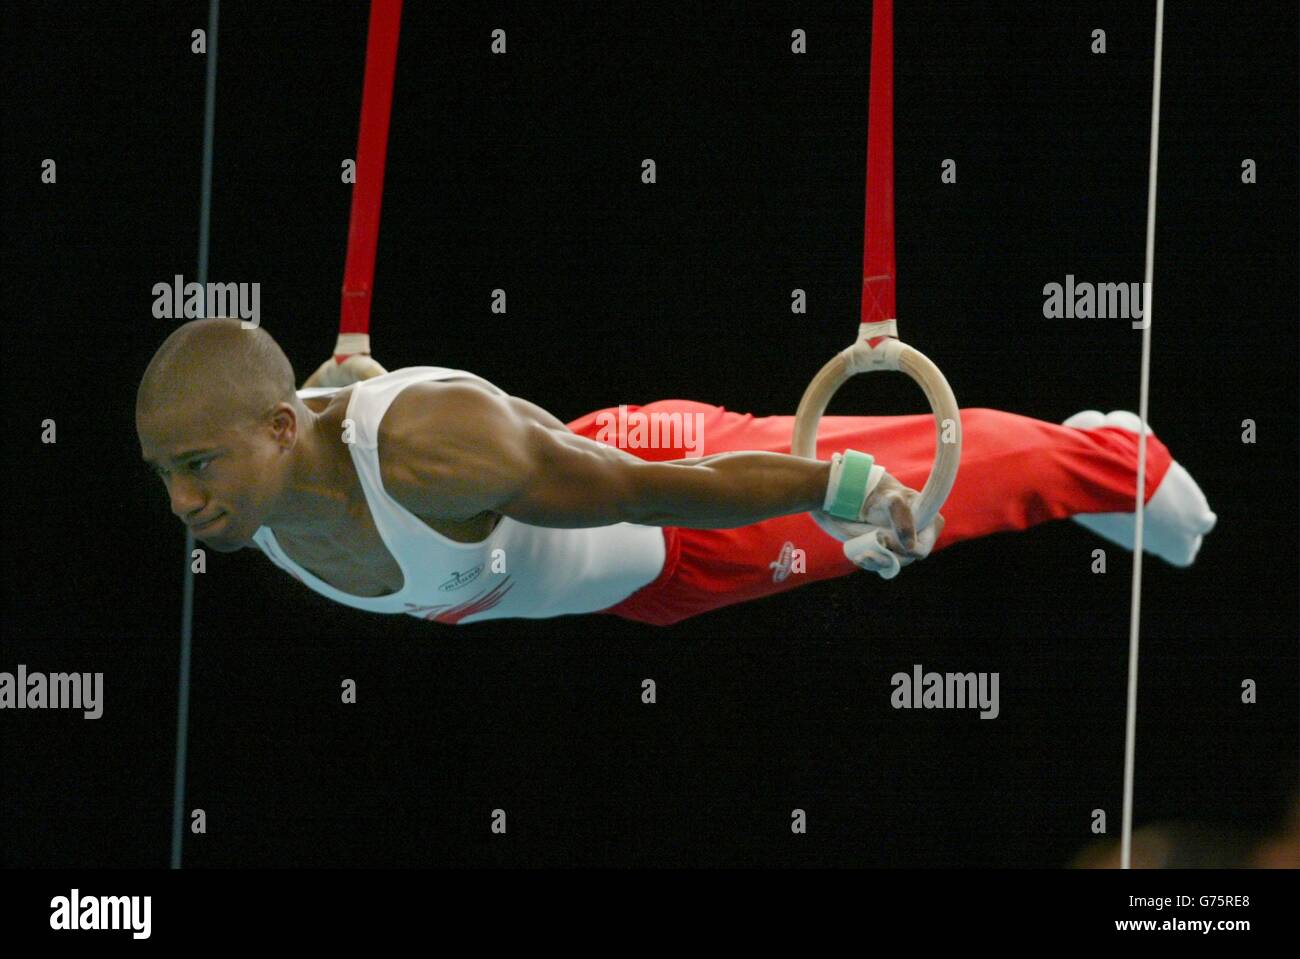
{"x": 431, "y": 492}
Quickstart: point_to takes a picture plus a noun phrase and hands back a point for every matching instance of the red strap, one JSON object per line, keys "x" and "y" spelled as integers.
{"x": 372, "y": 147}
{"x": 878, "y": 247}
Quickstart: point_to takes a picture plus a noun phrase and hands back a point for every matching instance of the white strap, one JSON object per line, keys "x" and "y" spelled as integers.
{"x": 870, "y": 548}
{"x": 869, "y": 331}
{"x": 349, "y": 343}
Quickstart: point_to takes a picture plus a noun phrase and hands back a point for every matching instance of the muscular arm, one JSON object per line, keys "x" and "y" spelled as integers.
{"x": 455, "y": 450}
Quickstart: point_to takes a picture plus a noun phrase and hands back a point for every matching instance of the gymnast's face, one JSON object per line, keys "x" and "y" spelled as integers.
{"x": 223, "y": 477}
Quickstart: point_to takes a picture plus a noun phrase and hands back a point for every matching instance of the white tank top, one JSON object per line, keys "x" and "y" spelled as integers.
{"x": 517, "y": 571}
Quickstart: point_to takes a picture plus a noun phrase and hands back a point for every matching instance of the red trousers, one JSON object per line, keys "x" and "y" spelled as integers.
{"x": 1015, "y": 472}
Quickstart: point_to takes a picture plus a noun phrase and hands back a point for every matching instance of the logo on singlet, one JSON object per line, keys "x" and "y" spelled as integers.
{"x": 461, "y": 579}
{"x": 781, "y": 568}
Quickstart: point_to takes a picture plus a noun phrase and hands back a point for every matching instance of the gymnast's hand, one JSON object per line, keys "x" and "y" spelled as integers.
{"x": 358, "y": 366}
{"x": 888, "y": 539}
{"x": 893, "y": 541}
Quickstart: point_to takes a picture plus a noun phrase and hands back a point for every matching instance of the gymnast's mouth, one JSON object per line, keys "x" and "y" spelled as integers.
{"x": 197, "y": 528}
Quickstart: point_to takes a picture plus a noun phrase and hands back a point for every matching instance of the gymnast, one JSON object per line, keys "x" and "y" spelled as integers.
{"x": 431, "y": 492}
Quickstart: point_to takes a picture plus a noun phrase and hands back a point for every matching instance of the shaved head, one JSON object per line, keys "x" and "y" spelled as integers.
{"x": 218, "y": 420}
{"x": 236, "y": 375}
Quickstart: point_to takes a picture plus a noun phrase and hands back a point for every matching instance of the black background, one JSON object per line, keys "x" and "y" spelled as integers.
{"x": 523, "y": 172}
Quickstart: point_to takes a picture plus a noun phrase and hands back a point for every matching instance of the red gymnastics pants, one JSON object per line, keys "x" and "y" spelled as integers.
{"x": 1015, "y": 472}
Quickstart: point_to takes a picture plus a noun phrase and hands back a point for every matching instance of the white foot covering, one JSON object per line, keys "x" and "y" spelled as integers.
{"x": 1177, "y": 516}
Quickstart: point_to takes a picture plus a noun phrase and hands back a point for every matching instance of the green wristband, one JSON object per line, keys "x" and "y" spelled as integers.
{"x": 855, "y": 474}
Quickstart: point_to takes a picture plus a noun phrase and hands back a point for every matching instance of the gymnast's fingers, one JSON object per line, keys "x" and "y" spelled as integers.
{"x": 900, "y": 515}
{"x": 354, "y": 368}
